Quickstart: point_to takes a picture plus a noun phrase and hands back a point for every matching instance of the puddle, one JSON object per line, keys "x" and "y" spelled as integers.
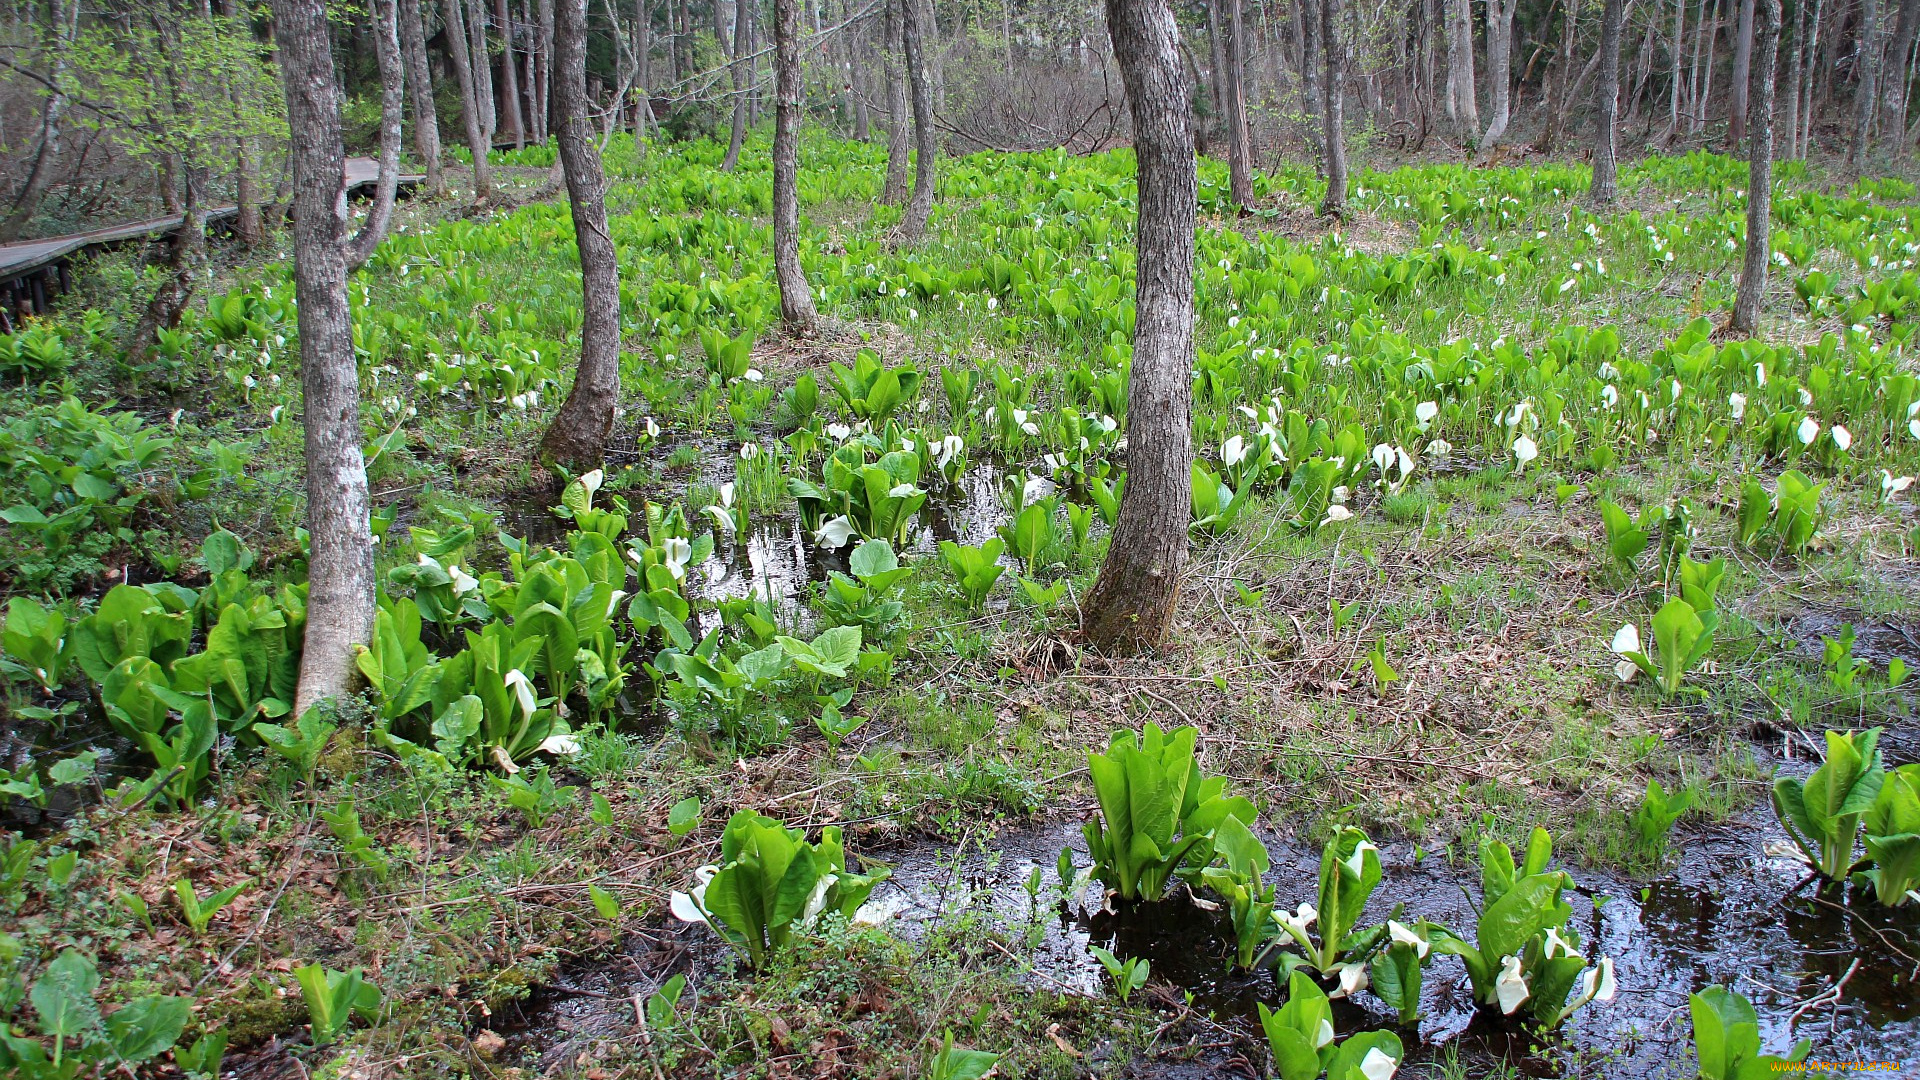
{"x": 1876, "y": 639}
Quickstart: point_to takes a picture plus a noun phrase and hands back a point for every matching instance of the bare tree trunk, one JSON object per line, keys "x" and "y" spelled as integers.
{"x": 1561, "y": 88}
{"x": 1216, "y": 65}
{"x": 1899, "y": 52}
{"x": 1742, "y": 60}
{"x": 1239, "y": 153}
{"x": 340, "y": 582}
{"x": 543, "y": 72}
{"x": 186, "y": 260}
{"x": 1499, "y": 67}
{"x": 895, "y": 192}
{"x": 66, "y": 18}
{"x": 479, "y": 138}
{"x": 426, "y": 120}
{"x": 1865, "y": 90}
{"x": 509, "y": 76}
{"x": 914, "y": 26}
{"x": 1460, "y": 80}
{"x": 1679, "y": 51}
{"x": 1713, "y": 52}
{"x": 742, "y": 23}
{"x": 796, "y": 298}
{"x": 857, "y": 72}
{"x": 643, "y": 69}
{"x": 578, "y": 435}
{"x": 1700, "y": 25}
{"x": 1132, "y": 602}
{"x": 1753, "y": 270}
{"x": 1605, "y": 189}
{"x": 386, "y": 47}
{"x": 1333, "y": 93}
{"x": 1308, "y": 15}
{"x": 483, "y": 87}
{"x": 1806, "y": 89}
{"x": 1793, "y": 79}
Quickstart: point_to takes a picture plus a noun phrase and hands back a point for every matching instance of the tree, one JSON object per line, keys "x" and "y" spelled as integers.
{"x": 1239, "y": 152}
{"x": 913, "y": 33}
{"x": 1561, "y": 86}
{"x": 1753, "y": 269}
{"x": 1605, "y": 190}
{"x": 340, "y": 581}
{"x": 66, "y": 25}
{"x": 1131, "y": 604}
{"x": 578, "y": 435}
{"x": 742, "y": 34}
{"x": 1864, "y": 91}
{"x": 426, "y": 122}
{"x": 509, "y": 75}
{"x": 1499, "y": 67}
{"x": 386, "y": 47}
{"x": 1461, "y": 103}
{"x": 895, "y": 191}
{"x": 1742, "y": 63}
{"x": 796, "y": 299}
{"x": 1333, "y": 116}
{"x": 473, "y": 107}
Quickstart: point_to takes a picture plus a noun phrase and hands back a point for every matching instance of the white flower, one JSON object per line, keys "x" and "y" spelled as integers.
{"x": 1524, "y": 451}
{"x": 1913, "y": 419}
{"x": 563, "y": 744}
{"x": 1891, "y": 485}
{"x": 1737, "y": 403}
{"x": 1323, "y": 1035}
{"x": 833, "y": 532}
{"x": 1511, "y": 986}
{"x": 752, "y": 375}
{"x": 691, "y": 907}
{"x": 1598, "y": 983}
{"x": 1302, "y": 918}
{"x": 749, "y": 451}
{"x": 1404, "y": 935}
{"x": 950, "y": 447}
{"x": 726, "y": 493}
{"x": 463, "y": 582}
{"x": 1759, "y": 374}
{"x": 1353, "y": 979}
{"x": 653, "y": 429}
{"x": 1557, "y": 945}
{"x": 1377, "y": 1065}
{"x": 1609, "y": 396}
{"x": 1626, "y": 639}
{"x": 1357, "y": 861}
{"x": 1382, "y": 456}
{"x": 1439, "y": 448}
{"x": 1806, "y": 397}
{"x": 1808, "y": 431}
{"x": 1842, "y": 438}
{"x": 676, "y": 553}
{"x": 516, "y": 681}
{"x": 902, "y": 491}
{"x": 839, "y": 431}
{"x": 1233, "y": 451}
{"x": 1035, "y": 488}
{"x": 1424, "y": 413}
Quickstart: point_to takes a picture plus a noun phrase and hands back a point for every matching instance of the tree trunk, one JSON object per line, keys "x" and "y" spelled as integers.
{"x": 1753, "y": 271}
{"x": 1562, "y": 87}
{"x": 578, "y": 435}
{"x": 895, "y": 192}
{"x": 914, "y": 26}
{"x": 510, "y": 77}
{"x": 340, "y": 581}
{"x": 1805, "y": 141}
{"x": 1679, "y": 51}
{"x": 1899, "y": 51}
{"x": 1742, "y": 61}
{"x": 1132, "y": 602}
{"x": 426, "y": 120}
{"x": 66, "y": 18}
{"x": 543, "y": 71}
{"x": 1216, "y": 95}
{"x": 1865, "y": 91}
{"x": 1239, "y": 152}
{"x": 1793, "y": 80}
{"x": 1713, "y": 53}
{"x": 186, "y": 262}
{"x": 1499, "y": 67}
{"x": 479, "y": 139}
{"x": 386, "y": 47}
{"x": 1308, "y": 15}
{"x": 796, "y": 299}
{"x": 857, "y": 72}
{"x": 482, "y": 66}
{"x": 1605, "y": 189}
{"x": 643, "y": 70}
{"x": 742, "y": 22}
{"x": 1465, "y": 107}
{"x": 1333, "y": 93}
{"x": 1694, "y": 96}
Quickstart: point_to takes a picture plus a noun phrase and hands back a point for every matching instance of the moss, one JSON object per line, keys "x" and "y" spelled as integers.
{"x": 259, "y": 1016}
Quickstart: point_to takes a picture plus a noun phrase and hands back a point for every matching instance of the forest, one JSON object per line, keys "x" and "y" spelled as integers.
{"x": 959, "y": 538}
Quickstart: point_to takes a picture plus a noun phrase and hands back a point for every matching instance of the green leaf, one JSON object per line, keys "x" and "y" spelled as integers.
{"x": 63, "y": 995}
{"x": 148, "y": 1027}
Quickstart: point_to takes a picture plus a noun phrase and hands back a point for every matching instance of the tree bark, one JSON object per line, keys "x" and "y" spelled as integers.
{"x": 1561, "y": 89}
{"x": 1605, "y": 189}
{"x": 1132, "y": 602}
{"x": 426, "y": 119}
{"x": 895, "y": 191}
{"x": 578, "y": 435}
{"x": 1233, "y": 81}
{"x": 543, "y": 71}
{"x": 1333, "y": 96}
{"x": 510, "y": 77}
{"x": 742, "y": 23}
{"x": 1679, "y": 51}
{"x": 926, "y": 148}
{"x": 1753, "y": 271}
{"x": 1866, "y": 89}
{"x": 1805, "y": 140}
{"x": 857, "y": 73}
{"x": 1499, "y": 68}
{"x": 1465, "y": 108}
{"x": 479, "y": 138}
{"x": 1793, "y": 79}
{"x": 1307, "y": 15}
{"x": 1899, "y": 52}
{"x": 386, "y": 47}
{"x": 796, "y": 298}
{"x": 1742, "y": 62}
{"x": 340, "y": 581}
{"x": 66, "y": 19}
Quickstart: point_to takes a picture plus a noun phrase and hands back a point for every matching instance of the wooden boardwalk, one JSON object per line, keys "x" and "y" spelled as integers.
{"x": 33, "y": 270}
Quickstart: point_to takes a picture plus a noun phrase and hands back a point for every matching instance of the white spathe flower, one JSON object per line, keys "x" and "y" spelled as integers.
{"x": 726, "y": 493}
{"x": 675, "y": 554}
{"x": 463, "y": 582}
{"x": 691, "y": 906}
{"x": 653, "y": 428}
{"x": 1524, "y": 451}
{"x": 1302, "y": 917}
{"x": 1378, "y": 1065}
{"x": 1557, "y": 945}
{"x": 1402, "y": 934}
{"x": 1233, "y": 451}
{"x": 1341, "y": 494}
{"x": 1511, "y": 986}
{"x": 839, "y": 431}
{"x": 1382, "y": 456}
{"x": 1842, "y": 438}
{"x": 1808, "y": 431}
{"x": 1035, "y": 488}
{"x": 1737, "y": 404}
{"x": 1609, "y": 396}
{"x": 1357, "y": 862}
{"x": 749, "y": 451}
{"x": 1626, "y": 639}
{"x": 833, "y": 532}
{"x": 563, "y": 744}
{"x": 1335, "y": 513}
{"x": 902, "y": 491}
{"x": 950, "y": 448}
{"x": 516, "y": 681}
{"x": 752, "y": 375}
{"x": 1439, "y": 448}
{"x": 592, "y": 481}
{"x": 1323, "y": 1035}
{"x": 1806, "y": 397}
{"x": 1598, "y": 983}
{"x": 1353, "y": 979}
{"x": 1424, "y": 413}
{"x": 723, "y": 519}
{"x": 1891, "y": 485}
